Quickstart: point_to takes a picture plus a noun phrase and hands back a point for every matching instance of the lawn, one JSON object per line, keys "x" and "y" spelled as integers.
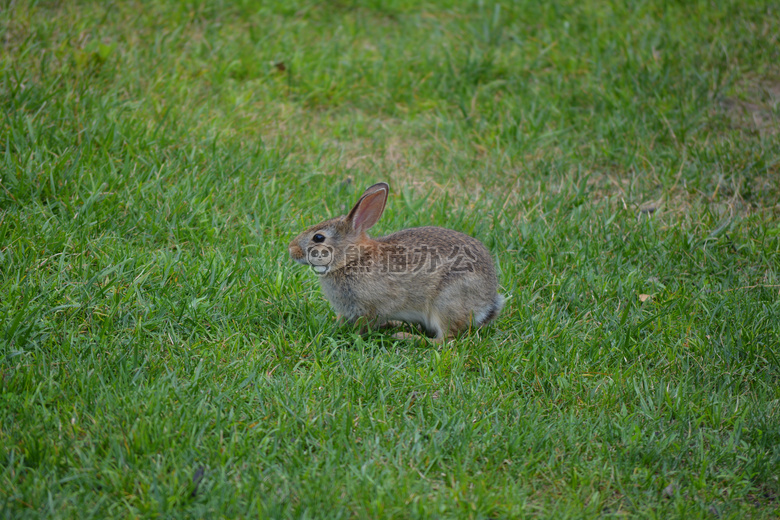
{"x": 162, "y": 357}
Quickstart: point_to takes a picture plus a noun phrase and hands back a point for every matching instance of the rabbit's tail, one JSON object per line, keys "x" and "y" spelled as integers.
{"x": 491, "y": 311}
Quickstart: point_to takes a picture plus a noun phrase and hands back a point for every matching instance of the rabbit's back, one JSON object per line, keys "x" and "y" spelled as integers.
{"x": 439, "y": 250}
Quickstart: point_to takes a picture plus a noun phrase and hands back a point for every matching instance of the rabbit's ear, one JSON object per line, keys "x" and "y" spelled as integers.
{"x": 369, "y": 208}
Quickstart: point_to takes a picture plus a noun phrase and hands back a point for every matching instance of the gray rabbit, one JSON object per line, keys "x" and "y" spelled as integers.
{"x": 438, "y": 278}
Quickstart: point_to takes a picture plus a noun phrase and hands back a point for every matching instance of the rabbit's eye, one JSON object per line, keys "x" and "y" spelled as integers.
{"x": 318, "y": 238}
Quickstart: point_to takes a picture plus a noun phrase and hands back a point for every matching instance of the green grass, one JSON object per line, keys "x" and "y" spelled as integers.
{"x": 160, "y": 356}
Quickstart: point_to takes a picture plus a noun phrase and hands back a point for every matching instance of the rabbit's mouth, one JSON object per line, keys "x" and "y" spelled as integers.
{"x": 320, "y": 269}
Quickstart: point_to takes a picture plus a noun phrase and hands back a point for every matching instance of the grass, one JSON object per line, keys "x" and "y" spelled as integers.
{"x": 160, "y": 356}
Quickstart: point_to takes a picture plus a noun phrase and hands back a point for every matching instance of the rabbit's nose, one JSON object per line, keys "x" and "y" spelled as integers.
{"x": 295, "y": 250}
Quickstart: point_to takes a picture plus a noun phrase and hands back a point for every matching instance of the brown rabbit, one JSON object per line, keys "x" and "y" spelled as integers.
{"x": 438, "y": 278}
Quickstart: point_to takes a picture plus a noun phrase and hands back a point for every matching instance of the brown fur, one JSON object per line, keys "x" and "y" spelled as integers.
{"x": 441, "y": 279}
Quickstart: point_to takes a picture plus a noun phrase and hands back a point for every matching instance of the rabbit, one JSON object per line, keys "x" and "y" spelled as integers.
{"x": 437, "y": 278}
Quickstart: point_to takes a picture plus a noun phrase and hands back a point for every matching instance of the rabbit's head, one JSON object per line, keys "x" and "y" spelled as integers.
{"x": 332, "y": 244}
